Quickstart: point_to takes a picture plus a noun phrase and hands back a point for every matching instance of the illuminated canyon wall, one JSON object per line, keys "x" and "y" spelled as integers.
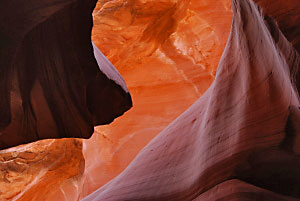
{"x": 240, "y": 140}
{"x": 168, "y": 51}
{"x": 48, "y": 75}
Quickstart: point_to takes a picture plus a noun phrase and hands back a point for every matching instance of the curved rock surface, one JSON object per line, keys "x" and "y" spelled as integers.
{"x": 51, "y": 85}
{"x": 163, "y": 81}
{"x": 168, "y": 52}
{"x": 287, "y": 15}
{"x": 44, "y": 170}
{"x": 245, "y": 127}
{"x": 174, "y": 61}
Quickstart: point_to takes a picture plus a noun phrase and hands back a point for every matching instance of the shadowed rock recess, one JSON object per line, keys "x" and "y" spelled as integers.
{"x": 51, "y": 84}
{"x": 240, "y": 140}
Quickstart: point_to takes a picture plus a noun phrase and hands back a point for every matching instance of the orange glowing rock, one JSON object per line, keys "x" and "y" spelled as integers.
{"x": 49, "y": 74}
{"x": 44, "y": 170}
{"x": 244, "y": 127}
{"x": 167, "y": 51}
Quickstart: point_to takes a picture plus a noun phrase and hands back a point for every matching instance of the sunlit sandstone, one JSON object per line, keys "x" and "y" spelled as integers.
{"x": 167, "y": 51}
{"x": 48, "y": 76}
{"x": 240, "y": 139}
{"x": 44, "y": 170}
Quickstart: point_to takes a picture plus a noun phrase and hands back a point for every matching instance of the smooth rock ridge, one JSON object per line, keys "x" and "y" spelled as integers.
{"x": 244, "y": 127}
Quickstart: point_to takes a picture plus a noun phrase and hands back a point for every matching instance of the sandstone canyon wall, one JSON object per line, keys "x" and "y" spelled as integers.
{"x": 49, "y": 73}
{"x": 239, "y": 141}
{"x": 48, "y": 76}
{"x": 168, "y": 52}
{"x": 245, "y": 128}
{"x": 163, "y": 82}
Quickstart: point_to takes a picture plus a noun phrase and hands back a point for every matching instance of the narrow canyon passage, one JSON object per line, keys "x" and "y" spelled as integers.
{"x": 208, "y": 122}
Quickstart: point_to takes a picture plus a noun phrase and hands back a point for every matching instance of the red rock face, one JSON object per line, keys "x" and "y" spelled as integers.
{"x": 49, "y": 74}
{"x": 244, "y": 127}
{"x": 165, "y": 77}
{"x": 44, "y": 170}
{"x": 239, "y": 141}
{"x": 168, "y": 52}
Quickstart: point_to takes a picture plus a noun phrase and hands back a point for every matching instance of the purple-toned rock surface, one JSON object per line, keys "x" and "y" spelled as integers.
{"x": 244, "y": 127}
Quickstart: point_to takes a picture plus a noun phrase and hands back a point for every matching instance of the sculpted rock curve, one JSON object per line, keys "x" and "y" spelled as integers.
{"x": 241, "y": 128}
{"x": 168, "y": 52}
{"x": 49, "y": 75}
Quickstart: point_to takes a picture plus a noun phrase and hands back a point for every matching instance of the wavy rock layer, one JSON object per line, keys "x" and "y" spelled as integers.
{"x": 44, "y": 170}
{"x": 183, "y": 75}
{"x": 246, "y": 126}
{"x": 49, "y": 75}
{"x": 168, "y": 52}
{"x": 287, "y": 15}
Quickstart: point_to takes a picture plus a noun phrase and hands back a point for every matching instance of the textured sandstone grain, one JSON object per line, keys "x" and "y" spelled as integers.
{"x": 168, "y": 52}
{"x": 245, "y": 126}
{"x": 237, "y": 129}
{"x": 44, "y": 170}
{"x": 51, "y": 87}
